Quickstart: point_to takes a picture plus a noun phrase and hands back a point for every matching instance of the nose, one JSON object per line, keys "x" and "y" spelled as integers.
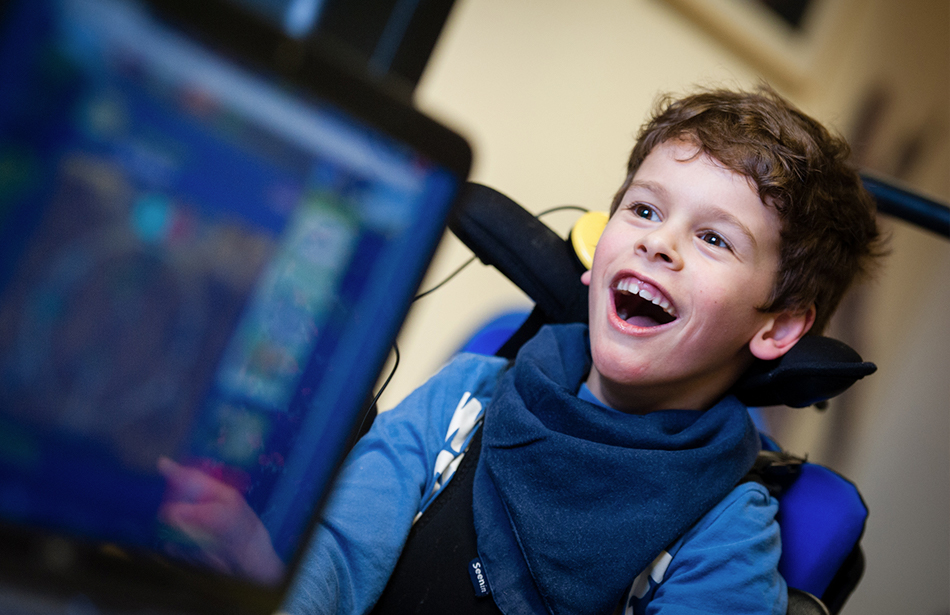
{"x": 660, "y": 245}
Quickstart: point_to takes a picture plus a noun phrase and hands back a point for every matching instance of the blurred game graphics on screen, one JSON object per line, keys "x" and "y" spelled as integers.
{"x": 196, "y": 265}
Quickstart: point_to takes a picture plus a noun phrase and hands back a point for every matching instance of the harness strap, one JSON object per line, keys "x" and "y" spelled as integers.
{"x": 434, "y": 574}
{"x": 775, "y": 470}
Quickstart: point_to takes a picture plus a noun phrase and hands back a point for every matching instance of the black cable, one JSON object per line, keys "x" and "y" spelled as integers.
{"x": 562, "y": 208}
{"x": 469, "y": 261}
{"x": 452, "y": 275}
{"x": 443, "y": 282}
{"x": 392, "y": 372}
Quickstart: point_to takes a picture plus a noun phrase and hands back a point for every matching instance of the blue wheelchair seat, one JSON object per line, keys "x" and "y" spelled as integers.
{"x": 822, "y": 517}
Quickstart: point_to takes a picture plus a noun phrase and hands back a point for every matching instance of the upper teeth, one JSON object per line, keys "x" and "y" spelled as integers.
{"x": 632, "y": 286}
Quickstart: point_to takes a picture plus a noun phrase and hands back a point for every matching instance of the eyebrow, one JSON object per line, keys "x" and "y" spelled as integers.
{"x": 727, "y": 217}
{"x": 650, "y": 186}
{"x": 715, "y": 211}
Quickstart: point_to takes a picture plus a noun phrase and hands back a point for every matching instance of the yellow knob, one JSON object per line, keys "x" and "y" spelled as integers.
{"x": 586, "y": 233}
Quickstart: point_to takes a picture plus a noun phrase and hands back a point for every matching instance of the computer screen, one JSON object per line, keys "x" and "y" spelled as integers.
{"x": 198, "y": 263}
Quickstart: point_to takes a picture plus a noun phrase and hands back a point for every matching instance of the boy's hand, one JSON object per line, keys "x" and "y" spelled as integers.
{"x": 216, "y": 517}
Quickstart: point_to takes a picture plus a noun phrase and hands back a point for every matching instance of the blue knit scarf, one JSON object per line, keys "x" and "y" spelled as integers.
{"x": 572, "y": 500}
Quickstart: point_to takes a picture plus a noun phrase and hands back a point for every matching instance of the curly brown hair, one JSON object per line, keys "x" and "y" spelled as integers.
{"x": 829, "y": 234}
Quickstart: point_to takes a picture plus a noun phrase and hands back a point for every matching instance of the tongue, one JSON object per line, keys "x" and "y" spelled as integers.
{"x": 642, "y": 321}
{"x": 637, "y": 320}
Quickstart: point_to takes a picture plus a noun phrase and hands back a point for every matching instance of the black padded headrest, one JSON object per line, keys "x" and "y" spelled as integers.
{"x": 817, "y": 368}
{"x": 503, "y": 234}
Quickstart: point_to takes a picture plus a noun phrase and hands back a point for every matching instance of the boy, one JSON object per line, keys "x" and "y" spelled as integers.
{"x": 611, "y": 458}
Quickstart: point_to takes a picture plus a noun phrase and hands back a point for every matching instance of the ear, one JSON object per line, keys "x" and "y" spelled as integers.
{"x": 780, "y": 332}
{"x": 585, "y": 278}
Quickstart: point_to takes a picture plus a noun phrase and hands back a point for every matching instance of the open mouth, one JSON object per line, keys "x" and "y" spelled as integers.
{"x": 641, "y": 304}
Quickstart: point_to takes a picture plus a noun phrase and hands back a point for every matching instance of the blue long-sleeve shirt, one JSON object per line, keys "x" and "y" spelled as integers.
{"x": 726, "y": 563}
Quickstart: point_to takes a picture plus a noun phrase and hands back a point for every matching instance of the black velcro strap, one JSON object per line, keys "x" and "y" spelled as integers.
{"x": 776, "y": 470}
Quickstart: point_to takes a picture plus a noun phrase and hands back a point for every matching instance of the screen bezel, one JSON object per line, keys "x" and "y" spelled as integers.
{"x": 39, "y": 562}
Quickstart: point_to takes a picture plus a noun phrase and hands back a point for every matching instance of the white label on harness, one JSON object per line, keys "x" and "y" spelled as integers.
{"x": 479, "y": 581}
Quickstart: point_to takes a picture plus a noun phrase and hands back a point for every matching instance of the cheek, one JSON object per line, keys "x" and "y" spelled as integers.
{"x": 608, "y": 243}
{"x": 733, "y": 290}
{"x": 727, "y": 318}
{"x": 723, "y": 310}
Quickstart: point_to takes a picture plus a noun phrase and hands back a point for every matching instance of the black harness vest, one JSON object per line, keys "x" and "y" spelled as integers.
{"x": 432, "y": 574}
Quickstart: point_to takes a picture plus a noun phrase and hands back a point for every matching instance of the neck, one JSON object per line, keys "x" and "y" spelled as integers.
{"x": 647, "y": 398}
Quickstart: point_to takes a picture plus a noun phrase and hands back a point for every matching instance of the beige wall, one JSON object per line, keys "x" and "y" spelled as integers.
{"x": 551, "y": 92}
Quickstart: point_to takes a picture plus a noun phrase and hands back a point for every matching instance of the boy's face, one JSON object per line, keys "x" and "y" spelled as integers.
{"x": 694, "y": 238}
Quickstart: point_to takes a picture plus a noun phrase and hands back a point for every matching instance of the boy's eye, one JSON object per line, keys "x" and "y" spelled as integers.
{"x": 644, "y": 211}
{"x": 715, "y": 239}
